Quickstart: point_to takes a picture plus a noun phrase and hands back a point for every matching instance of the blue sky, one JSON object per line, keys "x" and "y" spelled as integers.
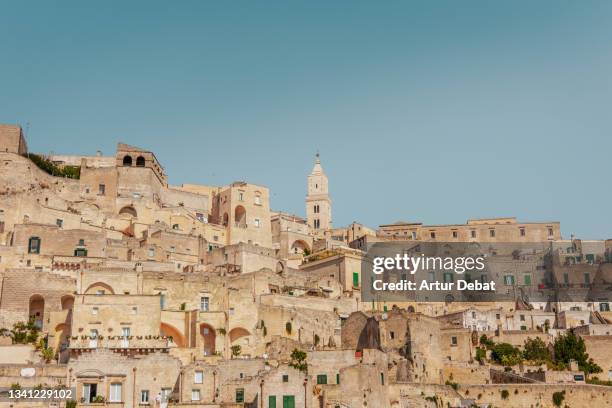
{"x": 423, "y": 111}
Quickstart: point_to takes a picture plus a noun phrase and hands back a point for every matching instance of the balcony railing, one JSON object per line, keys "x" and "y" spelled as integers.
{"x": 120, "y": 343}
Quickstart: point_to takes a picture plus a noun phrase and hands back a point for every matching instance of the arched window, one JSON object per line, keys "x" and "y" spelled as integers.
{"x": 34, "y": 245}
{"x": 140, "y": 161}
{"x": 127, "y": 161}
{"x": 240, "y": 216}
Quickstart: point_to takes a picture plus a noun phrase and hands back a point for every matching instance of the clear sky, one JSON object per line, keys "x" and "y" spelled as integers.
{"x": 425, "y": 111}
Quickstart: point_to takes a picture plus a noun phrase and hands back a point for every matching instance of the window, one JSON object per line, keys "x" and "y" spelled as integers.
{"x": 522, "y": 231}
{"x": 355, "y": 279}
{"x": 115, "y": 392}
{"x": 81, "y": 242}
{"x": 523, "y": 327}
{"x": 604, "y": 307}
{"x": 162, "y": 300}
{"x": 198, "y": 377}
{"x": 315, "y": 209}
{"x": 432, "y": 276}
{"x": 508, "y": 280}
{"x": 391, "y": 335}
{"x": 144, "y": 396}
{"x": 257, "y": 199}
{"x": 175, "y": 226}
{"x": 497, "y": 316}
{"x": 432, "y": 235}
{"x": 338, "y": 378}
{"x": 271, "y": 401}
{"x": 200, "y": 217}
{"x": 522, "y": 318}
{"x": 527, "y": 279}
{"x": 448, "y": 277}
{"x": 413, "y": 235}
{"x": 94, "y": 310}
{"x": 566, "y": 278}
{"x": 151, "y": 252}
{"x": 285, "y": 378}
{"x": 195, "y": 395}
{"x": 59, "y": 222}
{"x": 204, "y": 303}
{"x": 321, "y": 379}
{"x": 550, "y": 232}
{"x": 587, "y": 279}
{"x": 34, "y": 245}
{"x": 473, "y": 315}
{"x": 241, "y": 196}
{"x": 454, "y": 341}
{"x": 317, "y": 223}
{"x": 101, "y": 189}
{"x": 80, "y": 252}
{"x": 473, "y": 234}
{"x": 492, "y": 233}
{"x": 382, "y": 379}
{"x": 239, "y": 395}
{"x": 257, "y": 222}
{"x": 134, "y": 308}
{"x": 455, "y": 234}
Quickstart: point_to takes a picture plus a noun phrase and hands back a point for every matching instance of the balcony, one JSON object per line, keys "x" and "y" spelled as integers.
{"x": 119, "y": 343}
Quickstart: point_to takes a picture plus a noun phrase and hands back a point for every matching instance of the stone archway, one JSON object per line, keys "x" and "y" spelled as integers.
{"x": 36, "y": 310}
{"x": 170, "y": 331}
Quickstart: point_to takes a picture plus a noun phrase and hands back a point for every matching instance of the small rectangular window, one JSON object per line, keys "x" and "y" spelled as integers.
{"x": 101, "y": 189}
{"x": 195, "y": 395}
{"x": 115, "y": 392}
{"x": 321, "y": 379}
{"x": 204, "y": 304}
{"x": 522, "y": 230}
{"x": 492, "y": 233}
{"x": 239, "y": 395}
{"x": 455, "y": 234}
{"x": 473, "y": 234}
{"x": 144, "y": 396}
{"x": 59, "y": 222}
{"x": 285, "y": 378}
{"x": 454, "y": 341}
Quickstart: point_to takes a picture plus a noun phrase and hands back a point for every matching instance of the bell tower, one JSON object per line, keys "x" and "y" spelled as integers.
{"x": 318, "y": 203}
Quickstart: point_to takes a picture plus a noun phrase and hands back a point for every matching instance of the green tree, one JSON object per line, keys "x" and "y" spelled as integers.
{"x": 506, "y": 354}
{"x": 571, "y": 347}
{"x": 298, "y": 360}
{"x": 236, "y": 350}
{"x": 535, "y": 350}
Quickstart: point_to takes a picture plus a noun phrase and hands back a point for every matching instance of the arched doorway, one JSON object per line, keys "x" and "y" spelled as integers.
{"x": 209, "y": 337}
{"x": 225, "y": 220}
{"x": 240, "y": 216}
{"x": 127, "y": 160}
{"x": 129, "y": 210}
{"x": 67, "y": 302}
{"x": 140, "y": 161}
{"x": 170, "y": 331}
{"x": 36, "y": 311}
{"x": 300, "y": 247}
{"x": 99, "y": 288}
{"x": 238, "y": 335}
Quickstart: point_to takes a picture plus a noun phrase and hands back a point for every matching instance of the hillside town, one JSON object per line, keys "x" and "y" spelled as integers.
{"x": 133, "y": 292}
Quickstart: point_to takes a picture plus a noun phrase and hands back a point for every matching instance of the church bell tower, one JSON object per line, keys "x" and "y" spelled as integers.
{"x": 318, "y": 203}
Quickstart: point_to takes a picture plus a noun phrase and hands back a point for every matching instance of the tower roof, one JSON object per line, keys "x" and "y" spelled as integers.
{"x": 317, "y": 169}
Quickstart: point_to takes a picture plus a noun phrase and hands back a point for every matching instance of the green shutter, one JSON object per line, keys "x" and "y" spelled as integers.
{"x": 322, "y": 379}
{"x": 338, "y": 378}
{"x": 271, "y": 401}
{"x": 527, "y": 279}
{"x": 239, "y": 394}
{"x": 355, "y": 279}
{"x": 288, "y": 401}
